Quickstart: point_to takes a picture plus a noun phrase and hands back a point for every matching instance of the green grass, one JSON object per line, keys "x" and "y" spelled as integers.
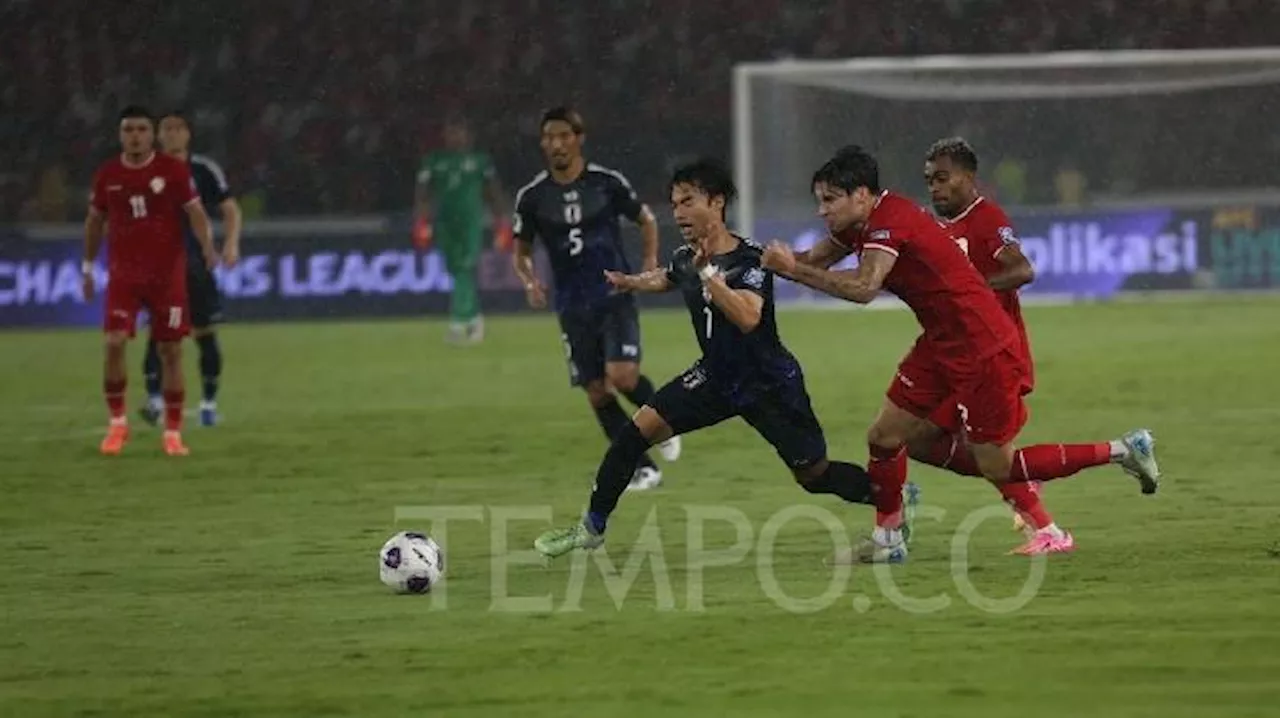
{"x": 241, "y": 581}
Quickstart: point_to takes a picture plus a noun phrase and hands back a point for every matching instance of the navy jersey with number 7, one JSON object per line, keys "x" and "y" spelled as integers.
{"x": 740, "y": 364}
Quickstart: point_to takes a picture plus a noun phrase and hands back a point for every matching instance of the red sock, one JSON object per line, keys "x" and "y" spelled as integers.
{"x": 1026, "y": 501}
{"x": 949, "y": 453}
{"x": 888, "y": 470}
{"x": 1055, "y": 461}
{"x": 173, "y": 402}
{"x": 114, "y": 392}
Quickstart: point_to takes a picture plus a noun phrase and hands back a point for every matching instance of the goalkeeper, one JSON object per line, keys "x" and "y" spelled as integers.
{"x": 454, "y": 185}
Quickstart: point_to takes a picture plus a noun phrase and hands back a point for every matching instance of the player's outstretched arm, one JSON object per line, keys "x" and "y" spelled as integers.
{"x": 649, "y": 240}
{"x": 823, "y": 254}
{"x": 859, "y": 285}
{"x": 1015, "y": 269}
{"x": 653, "y": 281}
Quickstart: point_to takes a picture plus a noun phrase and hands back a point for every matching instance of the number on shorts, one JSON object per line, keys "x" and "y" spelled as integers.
{"x": 175, "y": 317}
{"x": 138, "y": 204}
{"x": 710, "y": 319}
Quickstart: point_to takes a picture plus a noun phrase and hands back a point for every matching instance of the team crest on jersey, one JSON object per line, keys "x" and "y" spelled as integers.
{"x": 157, "y": 184}
{"x": 754, "y": 278}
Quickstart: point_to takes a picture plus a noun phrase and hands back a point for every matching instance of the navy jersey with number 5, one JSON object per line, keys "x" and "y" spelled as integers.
{"x": 739, "y": 363}
{"x": 578, "y": 223}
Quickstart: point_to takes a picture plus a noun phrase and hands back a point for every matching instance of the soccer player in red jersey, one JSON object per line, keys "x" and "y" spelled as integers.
{"x": 140, "y": 197}
{"x": 984, "y": 232}
{"x": 969, "y": 349}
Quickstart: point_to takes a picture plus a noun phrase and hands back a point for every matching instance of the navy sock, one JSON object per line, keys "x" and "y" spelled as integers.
{"x": 612, "y": 419}
{"x": 615, "y": 473}
{"x": 210, "y": 365}
{"x": 151, "y": 371}
{"x": 848, "y": 481}
{"x": 642, "y": 393}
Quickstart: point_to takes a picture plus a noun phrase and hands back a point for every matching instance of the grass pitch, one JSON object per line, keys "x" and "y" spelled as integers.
{"x": 241, "y": 581}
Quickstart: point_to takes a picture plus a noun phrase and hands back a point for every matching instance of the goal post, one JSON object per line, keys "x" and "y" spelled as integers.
{"x": 1112, "y": 125}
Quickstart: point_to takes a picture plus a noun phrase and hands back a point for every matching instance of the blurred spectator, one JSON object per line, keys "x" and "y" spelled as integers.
{"x": 319, "y": 105}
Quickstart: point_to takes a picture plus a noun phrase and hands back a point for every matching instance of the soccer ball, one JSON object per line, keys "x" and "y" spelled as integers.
{"x": 411, "y": 562}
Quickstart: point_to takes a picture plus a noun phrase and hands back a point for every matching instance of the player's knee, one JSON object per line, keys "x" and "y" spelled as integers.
{"x": 651, "y": 425}
{"x": 115, "y": 341}
{"x": 886, "y": 437}
{"x": 623, "y": 377}
{"x": 598, "y": 393}
{"x": 169, "y": 351}
{"x": 995, "y": 463}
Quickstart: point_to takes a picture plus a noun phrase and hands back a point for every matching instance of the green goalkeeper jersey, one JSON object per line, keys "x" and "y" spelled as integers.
{"x": 457, "y": 182}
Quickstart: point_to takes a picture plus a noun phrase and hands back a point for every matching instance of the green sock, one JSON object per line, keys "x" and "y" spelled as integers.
{"x": 465, "y": 303}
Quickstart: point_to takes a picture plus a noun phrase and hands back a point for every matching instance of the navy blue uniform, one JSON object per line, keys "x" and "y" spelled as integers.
{"x": 746, "y": 374}
{"x": 202, "y": 287}
{"x": 578, "y": 223}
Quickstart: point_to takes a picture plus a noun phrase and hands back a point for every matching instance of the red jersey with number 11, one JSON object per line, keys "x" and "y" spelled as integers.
{"x": 963, "y": 321}
{"x": 144, "y": 205}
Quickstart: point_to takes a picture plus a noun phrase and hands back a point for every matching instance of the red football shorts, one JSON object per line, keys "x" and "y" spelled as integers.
{"x": 983, "y": 400}
{"x": 165, "y": 301}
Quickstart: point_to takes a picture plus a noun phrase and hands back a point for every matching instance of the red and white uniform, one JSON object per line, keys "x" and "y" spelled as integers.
{"x": 146, "y": 257}
{"x": 984, "y": 231}
{"x": 969, "y": 350}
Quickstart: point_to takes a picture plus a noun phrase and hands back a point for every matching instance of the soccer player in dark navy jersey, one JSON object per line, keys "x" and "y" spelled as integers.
{"x": 574, "y": 207}
{"x": 745, "y": 370}
{"x": 205, "y": 302}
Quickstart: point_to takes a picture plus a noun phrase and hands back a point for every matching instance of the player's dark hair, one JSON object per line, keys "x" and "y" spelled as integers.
{"x": 564, "y": 113}
{"x": 709, "y": 176}
{"x": 957, "y": 149}
{"x": 851, "y": 167}
{"x": 135, "y": 111}
{"x": 179, "y": 114}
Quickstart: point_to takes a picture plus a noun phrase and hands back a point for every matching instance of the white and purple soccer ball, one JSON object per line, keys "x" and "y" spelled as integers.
{"x": 411, "y": 562}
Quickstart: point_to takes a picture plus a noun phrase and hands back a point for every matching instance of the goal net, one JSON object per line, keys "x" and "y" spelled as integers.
{"x": 1051, "y": 130}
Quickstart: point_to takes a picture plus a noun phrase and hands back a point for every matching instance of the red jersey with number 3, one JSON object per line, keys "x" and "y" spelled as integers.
{"x": 962, "y": 320}
{"x": 144, "y": 205}
{"x": 984, "y": 231}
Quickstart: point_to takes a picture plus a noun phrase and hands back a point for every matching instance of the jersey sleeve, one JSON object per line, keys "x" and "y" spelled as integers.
{"x": 752, "y": 278}
{"x": 997, "y": 231}
{"x": 211, "y": 182}
{"x": 98, "y": 191}
{"x": 524, "y": 222}
{"x": 622, "y": 197}
{"x": 182, "y": 186}
{"x": 888, "y": 233}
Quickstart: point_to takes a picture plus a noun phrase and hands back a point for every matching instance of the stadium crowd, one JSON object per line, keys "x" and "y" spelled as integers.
{"x": 324, "y": 107}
